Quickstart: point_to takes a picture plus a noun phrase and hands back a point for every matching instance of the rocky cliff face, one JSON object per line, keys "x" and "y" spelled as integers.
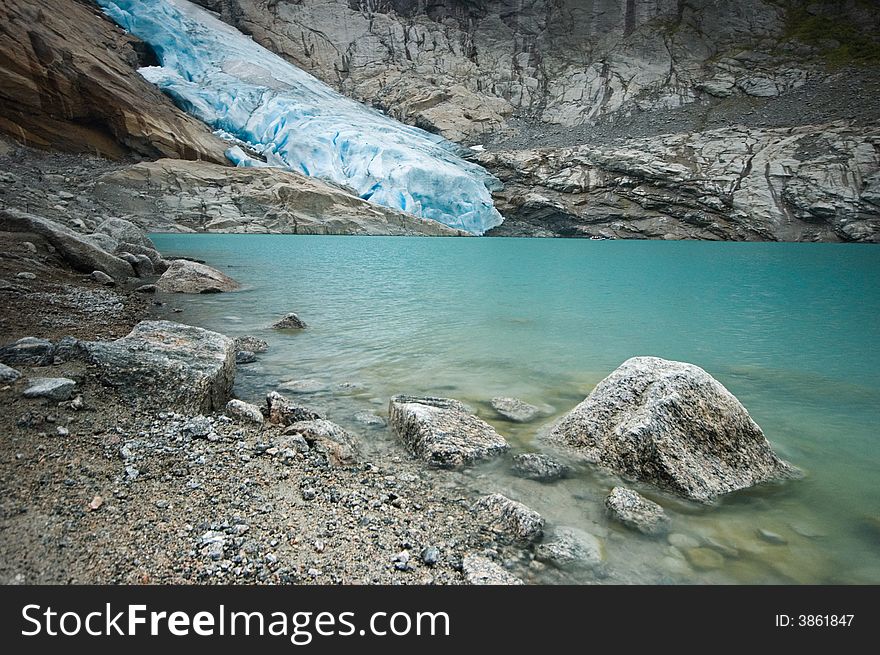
{"x": 68, "y": 81}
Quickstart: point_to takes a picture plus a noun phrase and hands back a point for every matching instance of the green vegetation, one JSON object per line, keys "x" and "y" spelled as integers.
{"x": 839, "y": 38}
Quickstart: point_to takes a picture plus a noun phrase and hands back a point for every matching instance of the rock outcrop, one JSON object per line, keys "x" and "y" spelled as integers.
{"x": 813, "y": 183}
{"x": 443, "y": 432}
{"x": 161, "y": 364}
{"x": 69, "y": 81}
{"x": 175, "y": 195}
{"x": 184, "y": 276}
{"x": 673, "y": 425}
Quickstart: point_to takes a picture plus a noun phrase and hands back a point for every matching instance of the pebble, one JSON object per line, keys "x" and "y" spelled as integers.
{"x": 26, "y": 275}
{"x": 62, "y": 431}
{"x": 430, "y": 555}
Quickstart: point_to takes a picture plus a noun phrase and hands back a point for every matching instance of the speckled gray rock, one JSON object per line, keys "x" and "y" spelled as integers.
{"x": 51, "y": 388}
{"x": 290, "y": 322}
{"x": 480, "y": 570}
{"x": 8, "y": 374}
{"x": 245, "y": 357}
{"x": 673, "y": 425}
{"x": 340, "y": 445}
{"x": 124, "y": 231}
{"x": 102, "y": 278}
{"x": 168, "y": 365}
{"x": 284, "y": 412}
{"x": 509, "y": 518}
{"x": 244, "y": 411}
{"x": 514, "y": 409}
{"x": 540, "y": 467}
{"x": 251, "y": 343}
{"x": 29, "y": 351}
{"x": 184, "y": 276}
{"x": 571, "y": 547}
{"x": 443, "y": 432}
{"x": 635, "y": 511}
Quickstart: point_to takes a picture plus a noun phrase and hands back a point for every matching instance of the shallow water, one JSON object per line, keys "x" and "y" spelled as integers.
{"x": 791, "y": 329}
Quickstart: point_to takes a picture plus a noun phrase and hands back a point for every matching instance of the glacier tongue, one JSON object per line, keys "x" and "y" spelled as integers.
{"x": 222, "y": 77}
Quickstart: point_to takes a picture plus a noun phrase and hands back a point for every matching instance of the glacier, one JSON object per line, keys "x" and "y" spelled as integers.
{"x": 253, "y": 97}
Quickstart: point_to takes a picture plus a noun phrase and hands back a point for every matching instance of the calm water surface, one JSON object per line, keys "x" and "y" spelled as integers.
{"x": 792, "y": 329}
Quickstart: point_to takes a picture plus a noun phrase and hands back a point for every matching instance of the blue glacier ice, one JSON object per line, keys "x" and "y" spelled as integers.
{"x": 246, "y": 92}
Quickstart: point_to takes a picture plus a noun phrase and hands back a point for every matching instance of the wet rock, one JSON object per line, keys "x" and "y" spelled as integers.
{"x": 124, "y": 231}
{"x": 704, "y": 559}
{"x": 52, "y": 388}
{"x": 635, "y": 511}
{"x": 673, "y": 425}
{"x": 370, "y": 419}
{"x": 73, "y": 247}
{"x": 514, "y": 409}
{"x": 184, "y": 276}
{"x": 510, "y": 518}
{"x": 28, "y": 351}
{"x": 8, "y": 374}
{"x": 305, "y": 386}
{"x": 682, "y": 541}
{"x": 163, "y": 364}
{"x": 290, "y": 322}
{"x": 147, "y": 288}
{"x": 571, "y": 547}
{"x": 253, "y": 344}
{"x": 536, "y": 466}
{"x": 480, "y": 570}
{"x": 772, "y": 537}
{"x": 102, "y": 278}
{"x": 339, "y": 444}
{"x": 245, "y": 357}
{"x": 284, "y": 412}
{"x": 244, "y": 411}
{"x": 443, "y": 432}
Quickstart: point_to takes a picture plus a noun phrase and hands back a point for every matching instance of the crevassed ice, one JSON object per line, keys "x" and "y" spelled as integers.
{"x": 239, "y": 88}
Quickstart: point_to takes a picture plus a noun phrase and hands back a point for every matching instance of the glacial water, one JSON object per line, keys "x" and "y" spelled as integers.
{"x": 791, "y": 329}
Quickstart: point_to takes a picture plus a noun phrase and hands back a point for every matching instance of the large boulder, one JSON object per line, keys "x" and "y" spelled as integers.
{"x": 184, "y": 276}
{"x": 125, "y": 232}
{"x": 443, "y": 432}
{"x": 162, "y": 364}
{"x": 74, "y": 248}
{"x": 673, "y": 425}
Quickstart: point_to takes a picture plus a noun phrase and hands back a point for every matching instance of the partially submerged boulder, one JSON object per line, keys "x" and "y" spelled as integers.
{"x": 163, "y": 364}
{"x": 282, "y": 411}
{"x": 539, "y": 467}
{"x": 673, "y": 425}
{"x": 510, "y": 518}
{"x": 443, "y": 432}
{"x": 251, "y": 343}
{"x": 635, "y": 511}
{"x": 290, "y": 322}
{"x": 514, "y": 409}
{"x": 571, "y": 548}
{"x": 184, "y": 276}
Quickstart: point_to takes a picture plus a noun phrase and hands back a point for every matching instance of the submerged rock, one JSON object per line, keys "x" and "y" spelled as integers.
{"x": 284, "y": 412}
{"x": 245, "y": 357}
{"x": 673, "y": 425}
{"x": 29, "y": 351}
{"x": 510, "y": 518}
{"x": 168, "y": 365}
{"x": 245, "y": 411}
{"x": 443, "y": 432}
{"x": 704, "y": 559}
{"x": 8, "y": 374}
{"x": 635, "y": 511}
{"x": 253, "y": 344}
{"x": 305, "y": 386}
{"x": 571, "y": 547}
{"x": 184, "y": 276}
{"x": 52, "y": 388}
{"x": 540, "y": 467}
{"x": 514, "y": 409}
{"x": 290, "y": 322}
{"x": 480, "y": 570}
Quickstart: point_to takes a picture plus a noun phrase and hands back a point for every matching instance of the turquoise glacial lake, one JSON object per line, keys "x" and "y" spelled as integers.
{"x": 793, "y": 330}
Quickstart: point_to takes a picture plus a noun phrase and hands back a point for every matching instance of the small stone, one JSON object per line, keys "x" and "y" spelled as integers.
{"x": 682, "y": 541}
{"x": 308, "y": 493}
{"x": 772, "y": 537}
{"x": 305, "y": 386}
{"x": 244, "y": 411}
{"x": 271, "y": 558}
{"x": 571, "y": 547}
{"x": 510, "y": 518}
{"x": 634, "y": 511}
{"x": 401, "y": 561}
{"x": 161, "y": 504}
{"x": 370, "y": 419}
{"x": 102, "y": 278}
{"x": 319, "y": 546}
{"x": 480, "y": 570}
{"x": 430, "y": 555}
{"x": 8, "y": 374}
{"x": 26, "y": 275}
{"x": 95, "y": 503}
{"x": 290, "y": 322}
{"x": 704, "y": 559}
{"x": 536, "y": 466}
{"x": 514, "y": 409}
{"x": 62, "y": 431}
{"x": 51, "y": 388}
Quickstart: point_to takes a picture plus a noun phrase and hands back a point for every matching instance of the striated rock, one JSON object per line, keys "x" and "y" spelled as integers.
{"x": 635, "y": 511}
{"x": 443, "y": 432}
{"x": 52, "y": 388}
{"x": 673, "y": 425}
{"x": 514, "y": 409}
{"x": 29, "y": 351}
{"x": 337, "y": 442}
{"x": 480, "y": 570}
{"x": 253, "y": 344}
{"x": 125, "y": 232}
{"x": 175, "y": 195}
{"x": 244, "y": 411}
{"x": 284, "y": 412}
{"x": 69, "y": 81}
{"x": 290, "y": 322}
{"x": 571, "y": 547}
{"x": 536, "y": 466}
{"x": 161, "y": 364}
{"x": 510, "y": 518}
{"x": 184, "y": 276}
{"x": 74, "y": 248}
{"x": 8, "y": 374}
